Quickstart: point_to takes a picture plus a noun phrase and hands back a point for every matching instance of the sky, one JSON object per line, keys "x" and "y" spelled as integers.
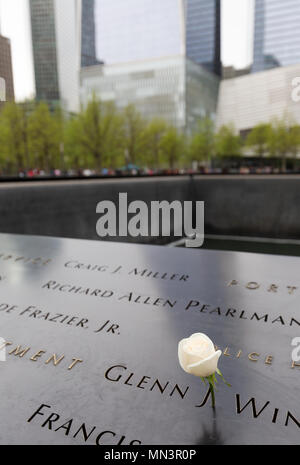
{"x": 237, "y": 30}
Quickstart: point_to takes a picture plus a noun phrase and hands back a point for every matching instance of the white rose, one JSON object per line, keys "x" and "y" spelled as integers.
{"x": 197, "y": 355}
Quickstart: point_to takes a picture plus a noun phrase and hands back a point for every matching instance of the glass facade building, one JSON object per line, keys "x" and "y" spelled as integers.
{"x": 203, "y": 33}
{"x": 163, "y": 56}
{"x": 44, "y": 49}
{"x": 180, "y": 39}
{"x": 173, "y": 88}
{"x": 276, "y": 34}
{"x": 88, "y": 38}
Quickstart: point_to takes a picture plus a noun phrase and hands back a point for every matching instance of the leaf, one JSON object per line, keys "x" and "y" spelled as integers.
{"x": 223, "y": 379}
{"x": 203, "y": 380}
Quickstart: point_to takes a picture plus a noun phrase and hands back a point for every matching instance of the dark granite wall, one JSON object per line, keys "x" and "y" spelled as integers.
{"x": 258, "y": 206}
{"x": 261, "y": 206}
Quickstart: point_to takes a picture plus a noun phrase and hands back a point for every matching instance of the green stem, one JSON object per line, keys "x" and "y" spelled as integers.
{"x": 212, "y": 391}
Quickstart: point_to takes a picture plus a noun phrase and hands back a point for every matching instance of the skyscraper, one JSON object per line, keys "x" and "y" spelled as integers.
{"x": 134, "y": 30}
{"x": 276, "y": 34}
{"x": 88, "y": 43}
{"x": 44, "y": 50}
{"x": 6, "y": 71}
{"x": 57, "y": 42}
{"x": 203, "y": 33}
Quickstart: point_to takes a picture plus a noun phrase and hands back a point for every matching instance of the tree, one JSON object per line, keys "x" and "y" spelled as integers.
{"x": 153, "y": 135}
{"x": 284, "y": 139}
{"x": 13, "y": 135}
{"x": 133, "y": 126}
{"x": 228, "y": 143}
{"x": 100, "y": 133}
{"x": 294, "y": 140}
{"x": 74, "y": 154}
{"x": 60, "y": 128}
{"x": 202, "y": 145}
{"x": 258, "y": 139}
{"x": 43, "y": 138}
{"x": 172, "y": 146}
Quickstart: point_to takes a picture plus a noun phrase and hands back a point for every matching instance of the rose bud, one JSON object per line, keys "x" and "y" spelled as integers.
{"x": 197, "y": 355}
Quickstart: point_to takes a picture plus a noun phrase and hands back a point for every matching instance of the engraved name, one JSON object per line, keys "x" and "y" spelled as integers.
{"x": 143, "y": 273}
{"x": 120, "y": 374}
{"x": 71, "y": 428}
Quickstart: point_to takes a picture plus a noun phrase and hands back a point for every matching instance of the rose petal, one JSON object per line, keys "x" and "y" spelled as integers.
{"x": 205, "y": 367}
{"x": 182, "y": 355}
{"x": 194, "y": 356}
{"x": 203, "y": 336}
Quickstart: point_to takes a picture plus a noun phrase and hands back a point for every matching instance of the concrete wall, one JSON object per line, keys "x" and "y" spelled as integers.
{"x": 261, "y": 206}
